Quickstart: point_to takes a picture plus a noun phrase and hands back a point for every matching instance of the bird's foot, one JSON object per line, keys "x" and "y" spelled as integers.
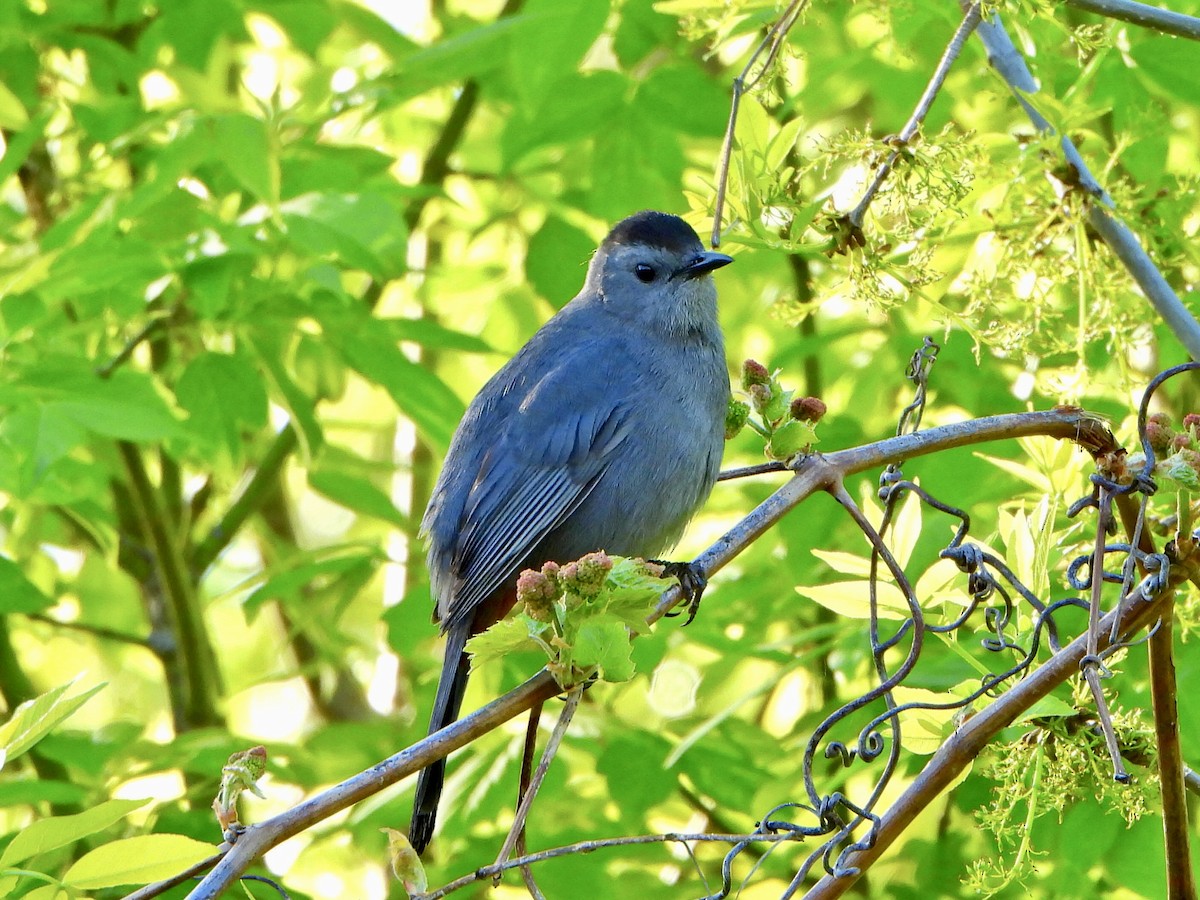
{"x": 692, "y": 582}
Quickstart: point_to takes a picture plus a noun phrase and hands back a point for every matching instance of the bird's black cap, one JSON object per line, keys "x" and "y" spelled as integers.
{"x": 655, "y": 229}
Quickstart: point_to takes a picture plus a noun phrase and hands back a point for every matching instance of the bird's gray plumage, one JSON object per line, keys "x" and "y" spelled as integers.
{"x": 604, "y": 432}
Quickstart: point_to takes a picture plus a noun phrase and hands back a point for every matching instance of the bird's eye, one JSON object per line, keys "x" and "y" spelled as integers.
{"x": 644, "y": 273}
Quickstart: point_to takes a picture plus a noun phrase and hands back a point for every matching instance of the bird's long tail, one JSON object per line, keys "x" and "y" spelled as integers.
{"x": 446, "y": 705}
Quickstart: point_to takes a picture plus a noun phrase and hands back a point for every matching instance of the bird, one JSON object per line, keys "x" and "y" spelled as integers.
{"x": 604, "y": 432}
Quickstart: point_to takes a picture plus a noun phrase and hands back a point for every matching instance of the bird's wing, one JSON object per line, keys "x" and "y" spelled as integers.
{"x": 546, "y": 454}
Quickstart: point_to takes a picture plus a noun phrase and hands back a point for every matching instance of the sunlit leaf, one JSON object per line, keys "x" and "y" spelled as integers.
{"x": 136, "y": 860}
{"x": 34, "y": 719}
{"x": 43, "y": 835}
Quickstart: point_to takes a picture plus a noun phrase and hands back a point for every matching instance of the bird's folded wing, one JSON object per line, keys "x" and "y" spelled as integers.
{"x": 542, "y": 465}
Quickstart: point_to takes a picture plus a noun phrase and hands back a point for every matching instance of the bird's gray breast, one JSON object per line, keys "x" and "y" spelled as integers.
{"x": 660, "y": 475}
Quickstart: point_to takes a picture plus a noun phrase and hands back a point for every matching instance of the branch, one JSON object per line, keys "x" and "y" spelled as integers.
{"x": 1181, "y": 884}
{"x": 590, "y": 846}
{"x": 1164, "y": 20}
{"x": 200, "y": 668}
{"x": 262, "y": 482}
{"x": 812, "y": 473}
{"x": 436, "y": 165}
{"x": 1166, "y": 303}
{"x": 258, "y": 839}
{"x": 969, "y": 23}
{"x": 820, "y": 472}
{"x": 96, "y": 631}
{"x": 1008, "y": 62}
{"x": 964, "y": 746}
{"x": 149, "y": 329}
{"x": 535, "y": 784}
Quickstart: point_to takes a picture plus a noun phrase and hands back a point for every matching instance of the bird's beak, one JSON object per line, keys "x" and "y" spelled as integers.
{"x": 704, "y": 262}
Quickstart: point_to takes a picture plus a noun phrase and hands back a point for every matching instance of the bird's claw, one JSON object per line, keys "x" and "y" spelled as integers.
{"x": 692, "y": 582}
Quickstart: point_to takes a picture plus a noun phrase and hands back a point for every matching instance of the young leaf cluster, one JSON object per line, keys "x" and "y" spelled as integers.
{"x": 582, "y": 615}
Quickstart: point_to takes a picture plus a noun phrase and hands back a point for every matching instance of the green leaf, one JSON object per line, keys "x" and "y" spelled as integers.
{"x": 307, "y": 23}
{"x": 43, "y": 835}
{"x": 699, "y": 105}
{"x": 643, "y": 30}
{"x": 429, "y": 333}
{"x": 604, "y": 642}
{"x": 193, "y": 27}
{"x": 269, "y": 346}
{"x": 47, "y": 892}
{"x": 509, "y": 635}
{"x": 126, "y": 405}
{"x": 17, "y": 593}
{"x": 242, "y": 143}
{"x": 553, "y": 40}
{"x": 12, "y": 112}
{"x": 18, "y": 146}
{"x": 1177, "y": 472}
{"x": 357, "y": 494}
{"x": 1048, "y": 707}
{"x": 34, "y": 719}
{"x": 578, "y": 108}
{"x": 852, "y": 599}
{"x": 418, "y": 392}
{"x": 455, "y": 58}
{"x": 632, "y": 592}
{"x": 224, "y": 397}
{"x": 364, "y": 231}
{"x": 790, "y": 438}
{"x": 137, "y": 860}
{"x": 289, "y": 584}
{"x": 1171, "y": 63}
{"x": 557, "y": 258}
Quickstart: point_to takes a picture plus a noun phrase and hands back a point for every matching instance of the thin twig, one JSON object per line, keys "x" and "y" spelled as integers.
{"x": 527, "y": 752}
{"x": 262, "y": 482}
{"x": 436, "y": 165}
{"x": 98, "y": 631}
{"x": 817, "y": 472}
{"x": 591, "y": 846}
{"x": 159, "y": 887}
{"x": 1164, "y": 20}
{"x": 1091, "y": 664}
{"x": 1010, "y": 64}
{"x": 122, "y": 355}
{"x": 1133, "y": 256}
{"x": 771, "y": 44}
{"x": 748, "y": 471}
{"x": 969, "y": 23}
{"x": 258, "y": 839}
{"x": 535, "y": 783}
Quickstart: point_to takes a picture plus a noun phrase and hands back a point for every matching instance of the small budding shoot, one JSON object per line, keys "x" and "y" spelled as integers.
{"x": 785, "y": 421}
{"x": 406, "y": 864}
{"x": 240, "y": 773}
{"x": 580, "y": 614}
{"x": 736, "y": 417}
{"x": 537, "y": 591}
{"x": 1177, "y": 463}
{"x": 584, "y": 578}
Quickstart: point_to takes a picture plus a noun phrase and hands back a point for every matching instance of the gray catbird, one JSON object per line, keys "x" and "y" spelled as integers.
{"x": 603, "y": 433}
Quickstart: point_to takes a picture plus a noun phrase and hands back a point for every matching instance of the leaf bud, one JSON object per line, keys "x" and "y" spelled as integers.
{"x": 736, "y": 416}
{"x": 760, "y": 396}
{"x": 754, "y": 372}
{"x": 808, "y": 409}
